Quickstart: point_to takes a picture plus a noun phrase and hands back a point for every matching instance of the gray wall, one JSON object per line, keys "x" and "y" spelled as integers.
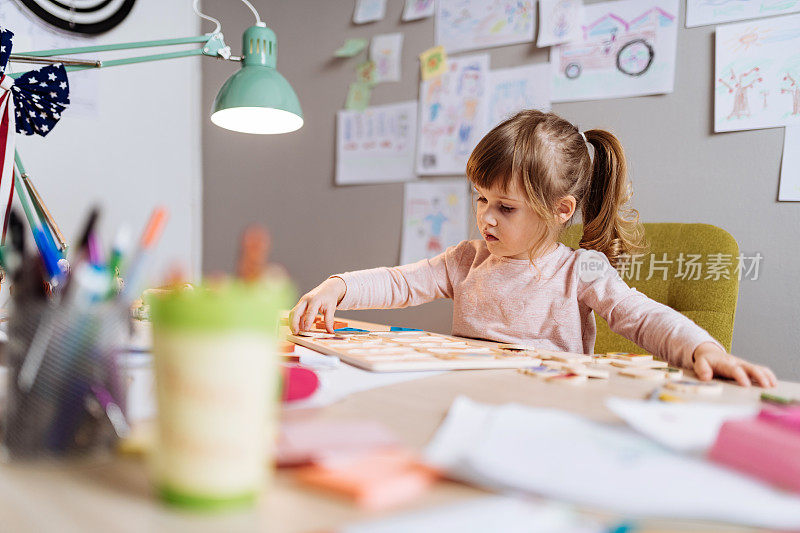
{"x": 681, "y": 171}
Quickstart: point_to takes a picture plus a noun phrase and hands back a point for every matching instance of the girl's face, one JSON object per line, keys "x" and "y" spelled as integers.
{"x": 507, "y": 223}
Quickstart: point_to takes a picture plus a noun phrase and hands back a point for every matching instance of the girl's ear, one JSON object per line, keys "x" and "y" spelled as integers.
{"x": 566, "y": 208}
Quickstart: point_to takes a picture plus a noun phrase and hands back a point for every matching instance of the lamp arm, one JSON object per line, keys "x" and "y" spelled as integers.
{"x": 213, "y": 46}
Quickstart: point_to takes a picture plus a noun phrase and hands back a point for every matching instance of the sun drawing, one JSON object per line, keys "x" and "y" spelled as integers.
{"x": 751, "y": 37}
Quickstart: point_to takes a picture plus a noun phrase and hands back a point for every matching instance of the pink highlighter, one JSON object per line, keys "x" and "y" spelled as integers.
{"x": 767, "y": 446}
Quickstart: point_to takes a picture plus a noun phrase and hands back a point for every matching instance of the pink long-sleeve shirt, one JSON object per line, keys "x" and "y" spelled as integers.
{"x": 549, "y": 305}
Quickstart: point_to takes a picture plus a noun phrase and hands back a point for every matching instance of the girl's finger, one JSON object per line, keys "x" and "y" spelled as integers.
{"x": 740, "y": 375}
{"x": 329, "y": 310}
{"x": 760, "y": 375}
{"x": 295, "y": 315}
{"x": 755, "y": 374}
{"x": 310, "y": 314}
{"x": 703, "y": 369}
{"x": 773, "y": 379}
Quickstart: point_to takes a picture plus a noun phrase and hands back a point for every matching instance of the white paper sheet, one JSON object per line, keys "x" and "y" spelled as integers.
{"x": 790, "y": 166}
{"x": 386, "y": 51}
{"x": 418, "y": 9}
{"x": 757, "y": 73}
{"x": 369, "y": 11}
{"x": 564, "y": 456}
{"x": 683, "y": 427}
{"x": 471, "y": 24}
{"x": 627, "y": 49}
{"x": 435, "y": 216}
{"x": 513, "y": 89}
{"x": 451, "y": 115}
{"x": 489, "y": 513}
{"x": 704, "y": 12}
{"x": 340, "y": 381}
{"x": 560, "y": 22}
{"x": 376, "y": 145}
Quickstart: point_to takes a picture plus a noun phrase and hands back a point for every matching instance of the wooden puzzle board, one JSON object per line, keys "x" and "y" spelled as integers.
{"x": 400, "y": 351}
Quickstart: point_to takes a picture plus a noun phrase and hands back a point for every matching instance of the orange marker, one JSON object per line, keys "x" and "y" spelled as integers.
{"x": 152, "y": 232}
{"x": 154, "y": 228}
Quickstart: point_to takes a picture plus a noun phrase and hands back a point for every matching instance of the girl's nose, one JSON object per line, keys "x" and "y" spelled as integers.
{"x": 489, "y": 219}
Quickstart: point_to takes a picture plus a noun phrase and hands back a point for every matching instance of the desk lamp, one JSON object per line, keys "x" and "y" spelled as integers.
{"x": 256, "y": 99}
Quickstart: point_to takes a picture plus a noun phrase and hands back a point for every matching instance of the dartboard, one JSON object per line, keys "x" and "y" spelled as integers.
{"x": 80, "y": 16}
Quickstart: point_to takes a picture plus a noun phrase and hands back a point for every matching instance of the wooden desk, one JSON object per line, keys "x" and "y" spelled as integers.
{"x": 116, "y": 495}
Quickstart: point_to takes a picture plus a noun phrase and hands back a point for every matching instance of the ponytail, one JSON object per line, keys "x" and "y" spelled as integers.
{"x": 610, "y": 225}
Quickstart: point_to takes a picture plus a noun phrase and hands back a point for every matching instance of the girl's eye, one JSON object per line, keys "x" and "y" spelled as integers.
{"x": 506, "y": 209}
{"x": 481, "y": 199}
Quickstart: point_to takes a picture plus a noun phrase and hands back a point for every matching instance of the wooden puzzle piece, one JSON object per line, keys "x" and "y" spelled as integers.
{"x": 569, "y": 378}
{"x": 566, "y": 357}
{"x": 540, "y": 371}
{"x": 708, "y": 388}
{"x": 649, "y": 374}
{"x": 317, "y": 335}
{"x": 381, "y": 351}
{"x": 630, "y": 356}
{"x": 589, "y": 372}
{"x": 320, "y": 323}
{"x": 622, "y": 363}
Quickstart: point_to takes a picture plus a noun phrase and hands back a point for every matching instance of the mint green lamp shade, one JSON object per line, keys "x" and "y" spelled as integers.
{"x": 257, "y": 99}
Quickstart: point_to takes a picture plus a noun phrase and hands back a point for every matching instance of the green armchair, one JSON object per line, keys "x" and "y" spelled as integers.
{"x": 709, "y": 300}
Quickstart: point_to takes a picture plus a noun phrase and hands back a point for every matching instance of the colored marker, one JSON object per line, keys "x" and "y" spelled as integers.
{"x": 151, "y": 234}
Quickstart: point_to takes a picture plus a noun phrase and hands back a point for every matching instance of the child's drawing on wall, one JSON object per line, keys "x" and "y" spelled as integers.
{"x": 738, "y": 86}
{"x": 436, "y": 215}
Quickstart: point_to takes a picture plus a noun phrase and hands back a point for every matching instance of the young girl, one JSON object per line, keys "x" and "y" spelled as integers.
{"x": 519, "y": 284}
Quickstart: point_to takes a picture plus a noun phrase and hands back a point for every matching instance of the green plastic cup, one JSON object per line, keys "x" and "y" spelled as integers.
{"x": 217, "y": 380}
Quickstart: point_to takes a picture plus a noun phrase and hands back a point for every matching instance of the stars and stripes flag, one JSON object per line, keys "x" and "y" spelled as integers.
{"x": 31, "y": 104}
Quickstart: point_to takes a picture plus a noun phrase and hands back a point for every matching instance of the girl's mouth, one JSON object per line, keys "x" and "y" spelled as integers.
{"x": 491, "y": 238}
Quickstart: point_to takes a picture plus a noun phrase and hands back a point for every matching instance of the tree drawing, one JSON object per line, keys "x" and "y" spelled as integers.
{"x": 794, "y": 90}
{"x": 738, "y": 87}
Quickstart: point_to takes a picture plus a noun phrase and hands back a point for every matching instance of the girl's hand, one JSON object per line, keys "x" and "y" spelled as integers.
{"x": 710, "y": 360}
{"x": 324, "y": 298}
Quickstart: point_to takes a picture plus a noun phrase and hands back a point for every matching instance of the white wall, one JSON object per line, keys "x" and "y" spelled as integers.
{"x": 131, "y": 139}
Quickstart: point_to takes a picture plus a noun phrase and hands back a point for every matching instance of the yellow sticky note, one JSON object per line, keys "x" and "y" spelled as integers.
{"x": 358, "y": 96}
{"x": 433, "y": 62}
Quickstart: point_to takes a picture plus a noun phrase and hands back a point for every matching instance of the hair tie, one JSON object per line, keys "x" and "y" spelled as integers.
{"x": 589, "y": 147}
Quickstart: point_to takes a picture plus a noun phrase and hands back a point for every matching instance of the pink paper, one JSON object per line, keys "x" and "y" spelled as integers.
{"x": 762, "y": 449}
{"x": 306, "y": 441}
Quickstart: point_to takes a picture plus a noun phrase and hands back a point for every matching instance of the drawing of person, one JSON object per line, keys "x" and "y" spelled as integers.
{"x": 434, "y": 95}
{"x": 469, "y": 88}
{"x": 561, "y": 23}
{"x": 608, "y": 45}
{"x": 436, "y": 219}
{"x": 469, "y": 84}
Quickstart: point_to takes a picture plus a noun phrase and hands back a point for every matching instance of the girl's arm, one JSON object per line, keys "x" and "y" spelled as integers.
{"x": 380, "y": 288}
{"x": 661, "y": 330}
{"x": 401, "y": 286}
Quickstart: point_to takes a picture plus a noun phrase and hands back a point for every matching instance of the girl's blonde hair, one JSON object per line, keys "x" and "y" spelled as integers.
{"x": 549, "y": 159}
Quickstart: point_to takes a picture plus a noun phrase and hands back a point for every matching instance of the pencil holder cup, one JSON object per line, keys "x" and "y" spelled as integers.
{"x": 215, "y": 355}
{"x": 65, "y": 392}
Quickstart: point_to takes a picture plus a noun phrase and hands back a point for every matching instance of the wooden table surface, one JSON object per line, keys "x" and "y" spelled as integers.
{"x": 115, "y": 495}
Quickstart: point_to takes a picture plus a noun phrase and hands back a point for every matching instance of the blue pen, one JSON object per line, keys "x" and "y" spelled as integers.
{"x": 50, "y": 255}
